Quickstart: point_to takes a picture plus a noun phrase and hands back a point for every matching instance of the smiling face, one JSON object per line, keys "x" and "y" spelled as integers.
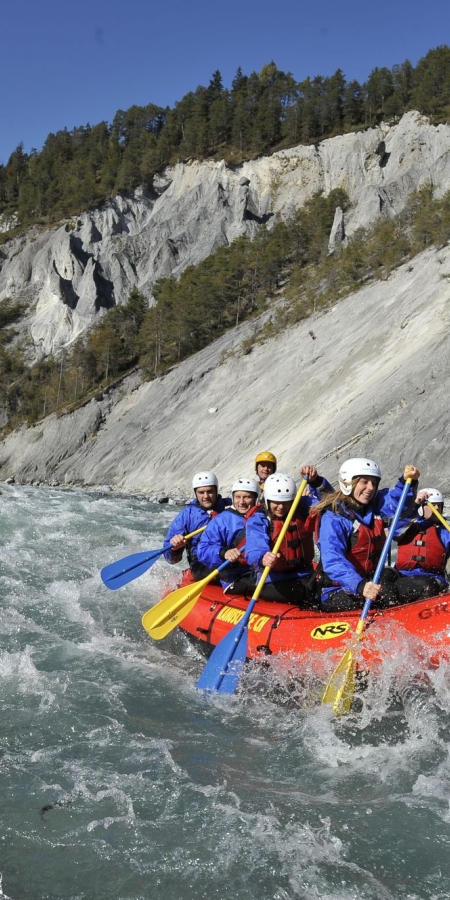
{"x": 365, "y": 490}
{"x": 279, "y": 508}
{"x": 243, "y": 501}
{"x": 264, "y": 469}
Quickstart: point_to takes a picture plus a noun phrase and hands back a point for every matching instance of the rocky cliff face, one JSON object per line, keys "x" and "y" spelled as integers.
{"x": 367, "y": 377}
{"x": 69, "y": 275}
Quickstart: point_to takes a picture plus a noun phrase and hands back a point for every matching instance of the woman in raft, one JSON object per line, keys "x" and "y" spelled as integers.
{"x": 291, "y": 568}
{"x": 351, "y": 535}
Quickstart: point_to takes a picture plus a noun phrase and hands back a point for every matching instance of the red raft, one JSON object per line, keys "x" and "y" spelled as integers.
{"x": 278, "y": 628}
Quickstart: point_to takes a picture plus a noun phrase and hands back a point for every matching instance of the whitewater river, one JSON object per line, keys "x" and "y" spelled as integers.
{"x": 119, "y": 780}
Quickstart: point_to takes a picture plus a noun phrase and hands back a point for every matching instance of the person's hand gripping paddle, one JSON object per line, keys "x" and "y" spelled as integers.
{"x": 119, "y": 573}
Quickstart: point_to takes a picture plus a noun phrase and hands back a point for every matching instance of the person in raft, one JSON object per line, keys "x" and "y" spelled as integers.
{"x": 265, "y": 465}
{"x": 424, "y": 547}
{"x": 351, "y": 535}
{"x": 206, "y": 504}
{"x": 291, "y": 568}
{"x": 224, "y": 538}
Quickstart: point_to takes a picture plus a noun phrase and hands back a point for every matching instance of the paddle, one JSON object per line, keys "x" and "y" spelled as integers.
{"x": 341, "y": 686}
{"x": 223, "y": 669}
{"x": 116, "y": 574}
{"x": 438, "y": 515}
{"x": 171, "y": 610}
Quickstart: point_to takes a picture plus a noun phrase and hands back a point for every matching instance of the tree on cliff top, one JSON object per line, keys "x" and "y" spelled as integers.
{"x": 262, "y": 112}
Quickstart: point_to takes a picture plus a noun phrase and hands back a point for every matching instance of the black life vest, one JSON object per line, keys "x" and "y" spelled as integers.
{"x": 423, "y": 549}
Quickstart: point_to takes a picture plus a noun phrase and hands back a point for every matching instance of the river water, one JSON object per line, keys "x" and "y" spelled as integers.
{"x": 120, "y": 780}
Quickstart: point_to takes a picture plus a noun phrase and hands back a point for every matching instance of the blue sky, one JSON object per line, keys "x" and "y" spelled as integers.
{"x": 69, "y": 64}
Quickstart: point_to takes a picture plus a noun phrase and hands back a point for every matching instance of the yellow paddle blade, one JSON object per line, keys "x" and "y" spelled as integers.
{"x": 340, "y": 689}
{"x": 169, "y": 612}
{"x": 161, "y": 619}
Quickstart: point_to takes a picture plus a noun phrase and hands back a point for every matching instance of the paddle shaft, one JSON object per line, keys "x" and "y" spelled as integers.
{"x": 384, "y": 552}
{"x": 187, "y": 536}
{"x": 124, "y": 570}
{"x": 438, "y": 516}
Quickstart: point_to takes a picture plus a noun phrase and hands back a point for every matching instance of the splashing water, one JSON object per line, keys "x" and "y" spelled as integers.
{"x": 120, "y": 780}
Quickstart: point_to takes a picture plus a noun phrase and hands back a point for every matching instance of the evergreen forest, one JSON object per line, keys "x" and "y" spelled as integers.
{"x": 260, "y": 113}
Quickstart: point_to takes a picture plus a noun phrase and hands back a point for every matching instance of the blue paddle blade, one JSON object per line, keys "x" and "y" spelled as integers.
{"x": 119, "y": 573}
{"x": 224, "y": 666}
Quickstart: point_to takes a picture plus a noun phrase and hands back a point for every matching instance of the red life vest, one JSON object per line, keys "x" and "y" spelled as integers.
{"x": 367, "y": 542}
{"x": 423, "y": 549}
{"x": 364, "y": 547}
{"x": 297, "y": 546}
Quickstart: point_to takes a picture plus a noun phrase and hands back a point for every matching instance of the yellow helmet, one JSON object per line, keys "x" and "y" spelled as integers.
{"x": 266, "y": 456}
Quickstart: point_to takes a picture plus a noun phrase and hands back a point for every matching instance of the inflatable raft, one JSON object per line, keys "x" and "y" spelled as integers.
{"x": 278, "y": 628}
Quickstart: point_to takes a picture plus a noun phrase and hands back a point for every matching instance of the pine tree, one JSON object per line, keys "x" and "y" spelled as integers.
{"x": 431, "y": 81}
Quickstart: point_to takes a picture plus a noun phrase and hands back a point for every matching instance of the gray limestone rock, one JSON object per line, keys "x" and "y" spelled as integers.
{"x": 373, "y": 382}
{"x": 337, "y": 234}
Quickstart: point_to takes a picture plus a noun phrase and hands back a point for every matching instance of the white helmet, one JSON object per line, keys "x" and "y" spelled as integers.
{"x": 434, "y": 496}
{"x": 204, "y": 479}
{"x": 354, "y": 468}
{"x": 279, "y": 487}
{"x": 246, "y": 484}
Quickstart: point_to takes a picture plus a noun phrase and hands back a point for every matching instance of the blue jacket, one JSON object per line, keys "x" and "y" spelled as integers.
{"x": 220, "y": 536}
{"x": 335, "y": 536}
{"x": 190, "y": 518}
{"x": 259, "y": 541}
